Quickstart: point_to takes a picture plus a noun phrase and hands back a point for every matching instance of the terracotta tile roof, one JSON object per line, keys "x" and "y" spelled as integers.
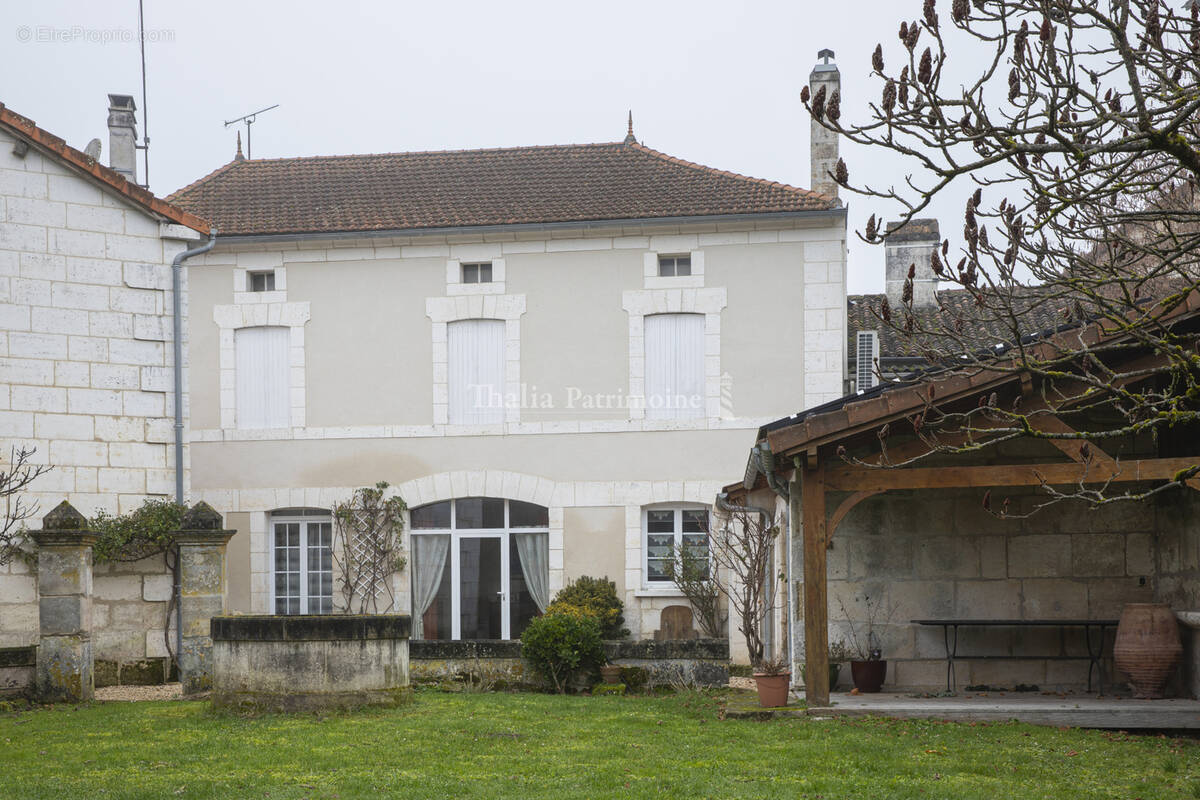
{"x": 26, "y": 129}
{"x": 414, "y": 191}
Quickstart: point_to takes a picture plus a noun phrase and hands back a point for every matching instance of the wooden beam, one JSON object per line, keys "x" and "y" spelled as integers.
{"x": 848, "y": 478}
{"x": 844, "y": 508}
{"x": 816, "y": 591}
{"x": 1072, "y": 447}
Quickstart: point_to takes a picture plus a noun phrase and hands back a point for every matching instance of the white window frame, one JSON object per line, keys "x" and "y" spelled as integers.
{"x": 304, "y": 520}
{"x": 653, "y": 280}
{"x": 444, "y": 310}
{"x": 668, "y": 587}
{"x": 455, "y": 558}
{"x": 251, "y": 315}
{"x": 641, "y": 303}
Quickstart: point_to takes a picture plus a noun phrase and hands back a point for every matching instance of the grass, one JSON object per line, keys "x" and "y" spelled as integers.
{"x": 543, "y": 746}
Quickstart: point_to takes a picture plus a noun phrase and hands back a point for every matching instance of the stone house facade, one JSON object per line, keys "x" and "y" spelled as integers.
{"x": 86, "y": 357}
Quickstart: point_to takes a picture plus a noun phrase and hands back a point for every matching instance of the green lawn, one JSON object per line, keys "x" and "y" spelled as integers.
{"x": 532, "y": 746}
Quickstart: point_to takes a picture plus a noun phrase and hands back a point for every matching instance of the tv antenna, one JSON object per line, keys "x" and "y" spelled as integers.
{"x": 249, "y": 120}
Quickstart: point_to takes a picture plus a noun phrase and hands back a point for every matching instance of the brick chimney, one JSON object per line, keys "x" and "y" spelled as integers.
{"x": 122, "y": 135}
{"x": 911, "y": 246}
{"x": 823, "y": 144}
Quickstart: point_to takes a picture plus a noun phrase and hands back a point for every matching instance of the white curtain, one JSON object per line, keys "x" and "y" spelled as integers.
{"x": 263, "y": 393}
{"x": 475, "y": 348}
{"x": 674, "y": 366}
{"x": 429, "y": 562}
{"x": 534, "y": 552}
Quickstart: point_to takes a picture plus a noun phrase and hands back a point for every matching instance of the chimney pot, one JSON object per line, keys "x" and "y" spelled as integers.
{"x": 122, "y": 135}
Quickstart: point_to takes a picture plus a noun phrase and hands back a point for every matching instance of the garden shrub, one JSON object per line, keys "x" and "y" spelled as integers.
{"x": 635, "y": 678}
{"x": 143, "y": 532}
{"x": 599, "y": 597}
{"x": 562, "y": 642}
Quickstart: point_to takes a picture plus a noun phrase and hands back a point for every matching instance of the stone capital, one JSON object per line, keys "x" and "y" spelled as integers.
{"x": 194, "y": 538}
{"x": 66, "y": 538}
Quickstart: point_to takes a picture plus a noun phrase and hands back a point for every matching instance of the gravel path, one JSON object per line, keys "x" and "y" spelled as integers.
{"x": 133, "y": 694}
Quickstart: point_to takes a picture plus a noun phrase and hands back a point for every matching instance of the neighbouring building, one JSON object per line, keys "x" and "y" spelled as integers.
{"x": 86, "y": 362}
{"x": 554, "y": 353}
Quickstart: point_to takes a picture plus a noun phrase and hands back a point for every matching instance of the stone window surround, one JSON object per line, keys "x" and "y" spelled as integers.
{"x": 660, "y": 589}
{"x": 241, "y": 294}
{"x": 554, "y": 495}
{"x": 455, "y": 286}
{"x": 652, "y": 280}
{"x": 645, "y": 302}
{"x": 229, "y": 319}
{"x": 443, "y": 310}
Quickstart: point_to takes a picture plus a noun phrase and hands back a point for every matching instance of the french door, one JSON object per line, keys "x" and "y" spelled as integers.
{"x": 479, "y": 568}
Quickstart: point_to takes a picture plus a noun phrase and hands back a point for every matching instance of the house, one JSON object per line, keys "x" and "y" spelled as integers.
{"x": 919, "y": 540}
{"x": 86, "y": 355}
{"x": 554, "y": 353}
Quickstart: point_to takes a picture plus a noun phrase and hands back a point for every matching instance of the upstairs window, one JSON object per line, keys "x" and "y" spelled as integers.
{"x": 263, "y": 281}
{"x": 475, "y": 351}
{"x": 477, "y": 272}
{"x": 263, "y": 394}
{"x": 674, "y": 366}
{"x": 674, "y": 266}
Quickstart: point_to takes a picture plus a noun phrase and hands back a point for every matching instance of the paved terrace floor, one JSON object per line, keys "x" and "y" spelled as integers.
{"x": 1077, "y": 710}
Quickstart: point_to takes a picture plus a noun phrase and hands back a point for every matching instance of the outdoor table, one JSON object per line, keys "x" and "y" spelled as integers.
{"x": 1094, "y": 652}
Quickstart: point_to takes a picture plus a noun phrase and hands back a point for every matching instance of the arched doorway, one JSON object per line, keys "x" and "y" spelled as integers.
{"x": 480, "y": 567}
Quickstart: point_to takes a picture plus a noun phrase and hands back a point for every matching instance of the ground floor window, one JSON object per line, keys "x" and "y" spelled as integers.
{"x": 480, "y": 568}
{"x": 302, "y": 564}
{"x": 665, "y": 529}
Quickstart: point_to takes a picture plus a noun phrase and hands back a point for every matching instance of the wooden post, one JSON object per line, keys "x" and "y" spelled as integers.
{"x": 816, "y": 590}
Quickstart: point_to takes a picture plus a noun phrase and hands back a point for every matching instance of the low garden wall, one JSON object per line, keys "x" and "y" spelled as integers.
{"x": 498, "y": 664}
{"x": 308, "y": 663}
{"x": 17, "y": 666}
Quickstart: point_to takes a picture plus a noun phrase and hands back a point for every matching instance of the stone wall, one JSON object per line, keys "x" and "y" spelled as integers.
{"x": 938, "y": 554}
{"x": 694, "y": 662}
{"x": 17, "y": 666}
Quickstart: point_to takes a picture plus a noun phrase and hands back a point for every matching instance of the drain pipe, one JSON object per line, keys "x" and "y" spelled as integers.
{"x": 765, "y": 461}
{"x": 177, "y": 325}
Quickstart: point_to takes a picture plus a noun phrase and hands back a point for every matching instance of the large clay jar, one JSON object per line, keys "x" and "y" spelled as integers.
{"x": 1147, "y": 647}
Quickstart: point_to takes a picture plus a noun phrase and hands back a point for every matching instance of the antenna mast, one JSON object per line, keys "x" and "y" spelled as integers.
{"x": 249, "y": 120}
{"x": 145, "y": 146}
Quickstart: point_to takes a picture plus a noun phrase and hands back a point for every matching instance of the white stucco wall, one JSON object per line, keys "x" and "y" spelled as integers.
{"x": 371, "y": 375}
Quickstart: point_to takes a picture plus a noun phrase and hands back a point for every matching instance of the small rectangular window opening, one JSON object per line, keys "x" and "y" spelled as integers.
{"x": 261, "y": 281}
{"x": 674, "y": 266}
{"x": 477, "y": 272}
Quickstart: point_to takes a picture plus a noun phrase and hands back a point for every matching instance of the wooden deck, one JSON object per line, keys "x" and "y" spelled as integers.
{"x": 1082, "y": 710}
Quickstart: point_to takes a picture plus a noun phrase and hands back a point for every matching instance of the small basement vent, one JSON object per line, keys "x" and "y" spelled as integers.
{"x": 868, "y": 352}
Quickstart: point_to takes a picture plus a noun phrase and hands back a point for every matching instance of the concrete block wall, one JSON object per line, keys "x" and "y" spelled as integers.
{"x": 939, "y": 554}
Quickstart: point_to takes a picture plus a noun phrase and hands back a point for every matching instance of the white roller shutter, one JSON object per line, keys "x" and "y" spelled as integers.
{"x": 674, "y": 366}
{"x": 475, "y": 348}
{"x": 263, "y": 394}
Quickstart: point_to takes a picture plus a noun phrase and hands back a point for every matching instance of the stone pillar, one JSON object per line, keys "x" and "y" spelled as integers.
{"x": 64, "y": 654}
{"x": 201, "y": 542}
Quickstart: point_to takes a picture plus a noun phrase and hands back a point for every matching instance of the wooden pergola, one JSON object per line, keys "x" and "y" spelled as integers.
{"x": 807, "y": 450}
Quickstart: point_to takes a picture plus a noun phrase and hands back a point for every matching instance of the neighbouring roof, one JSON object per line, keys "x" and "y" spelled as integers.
{"x": 953, "y": 304}
{"x": 459, "y": 188}
{"x": 27, "y": 130}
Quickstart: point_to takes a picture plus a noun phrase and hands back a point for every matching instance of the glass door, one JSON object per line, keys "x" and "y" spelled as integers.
{"x": 482, "y": 596}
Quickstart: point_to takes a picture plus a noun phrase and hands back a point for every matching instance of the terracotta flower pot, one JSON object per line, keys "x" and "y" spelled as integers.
{"x": 773, "y": 689}
{"x": 868, "y": 675}
{"x": 1147, "y": 647}
{"x": 610, "y": 673}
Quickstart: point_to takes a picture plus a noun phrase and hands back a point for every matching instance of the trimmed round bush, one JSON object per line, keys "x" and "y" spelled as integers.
{"x": 562, "y": 642}
{"x": 598, "y": 596}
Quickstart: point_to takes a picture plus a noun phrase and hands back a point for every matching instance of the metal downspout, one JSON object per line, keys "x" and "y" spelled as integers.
{"x": 177, "y": 327}
{"x": 766, "y": 465}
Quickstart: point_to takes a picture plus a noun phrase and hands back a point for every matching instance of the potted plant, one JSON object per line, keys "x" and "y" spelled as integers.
{"x": 773, "y": 678}
{"x": 868, "y": 667}
{"x": 838, "y": 654}
{"x": 742, "y": 567}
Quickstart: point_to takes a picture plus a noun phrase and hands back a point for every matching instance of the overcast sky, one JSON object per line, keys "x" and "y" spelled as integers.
{"x": 712, "y": 82}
